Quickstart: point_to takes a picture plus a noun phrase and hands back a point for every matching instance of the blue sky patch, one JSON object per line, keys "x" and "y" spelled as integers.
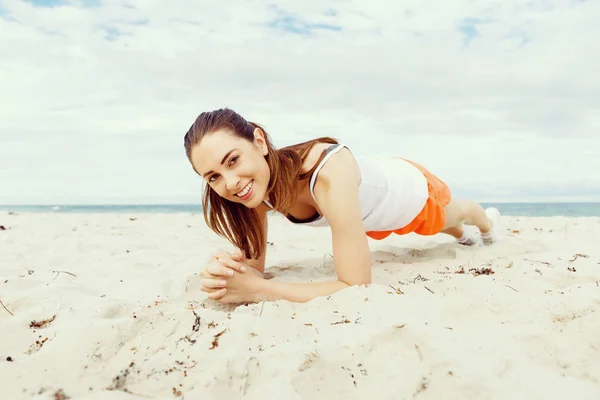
{"x": 111, "y": 33}
{"x": 139, "y": 22}
{"x": 45, "y": 3}
{"x": 291, "y": 23}
{"x": 468, "y": 28}
{"x": 5, "y": 15}
{"x": 56, "y": 3}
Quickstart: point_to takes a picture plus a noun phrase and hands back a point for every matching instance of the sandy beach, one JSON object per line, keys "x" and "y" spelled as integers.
{"x": 108, "y": 306}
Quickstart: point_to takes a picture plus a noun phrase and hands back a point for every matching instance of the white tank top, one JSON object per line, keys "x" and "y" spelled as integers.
{"x": 392, "y": 192}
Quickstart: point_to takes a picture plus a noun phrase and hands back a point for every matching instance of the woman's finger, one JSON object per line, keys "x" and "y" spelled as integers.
{"x": 218, "y": 254}
{"x": 231, "y": 263}
{"x": 207, "y": 274}
{"x": 236, "y": 254}
{"x": 213, "y": 283}
{"x": 217, "y": 269}
{"x": 204, "y": 274}
{"x": 218, "y": 294}
{"x": 209, "y": 290}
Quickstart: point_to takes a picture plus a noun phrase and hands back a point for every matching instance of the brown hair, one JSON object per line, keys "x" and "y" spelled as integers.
{"x": 236, "y": 222}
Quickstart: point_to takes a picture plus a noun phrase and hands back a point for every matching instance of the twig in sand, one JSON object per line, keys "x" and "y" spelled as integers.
{"x": 419, "y": 352}
{"x": 510, "y": 287}
{"x": 261, "y": 308}
{"x": 429, "y": 289}
{"x": 579, "y": 255}
{"x": 420, "y": 278}
{"x": 398, "y": 291}
{"x": 541, "y": 262}
{"x": 7, "y": 310}
{"x": 64, "y": 272}
{"x": 344, "y": 321}
{"x": 42, "y": 323}
{"x": 197, "y": 322}
{"x": 215, "y": 342}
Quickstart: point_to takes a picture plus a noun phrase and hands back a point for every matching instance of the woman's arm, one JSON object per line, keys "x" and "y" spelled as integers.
{"x": 224, "y": 265}
{"x": 299, "y": 292}
{"x": 336, "y": 192}
{"x": 258, "y": 264}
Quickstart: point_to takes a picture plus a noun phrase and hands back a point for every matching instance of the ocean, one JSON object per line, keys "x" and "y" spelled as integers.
{"x": 513, "y": 209}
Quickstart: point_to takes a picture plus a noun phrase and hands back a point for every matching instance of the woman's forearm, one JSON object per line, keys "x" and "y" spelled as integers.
{"x": 298, "y": 292}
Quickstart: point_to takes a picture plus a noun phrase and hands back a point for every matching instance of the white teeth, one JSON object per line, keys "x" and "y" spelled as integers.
{"x": 245, "y": 190}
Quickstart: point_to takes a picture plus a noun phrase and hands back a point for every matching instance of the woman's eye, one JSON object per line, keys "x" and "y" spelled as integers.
{"x": 212, "y": 178}
{"x": 233, "y": 160}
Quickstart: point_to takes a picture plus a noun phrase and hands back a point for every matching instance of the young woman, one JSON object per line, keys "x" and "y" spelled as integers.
{"x": 315, "y": 183}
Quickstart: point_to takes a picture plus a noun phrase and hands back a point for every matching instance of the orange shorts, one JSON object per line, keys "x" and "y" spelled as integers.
{"x": 432, "y": 217}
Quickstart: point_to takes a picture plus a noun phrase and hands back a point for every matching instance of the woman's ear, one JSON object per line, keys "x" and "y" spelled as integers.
{"x": 260, "y": 141}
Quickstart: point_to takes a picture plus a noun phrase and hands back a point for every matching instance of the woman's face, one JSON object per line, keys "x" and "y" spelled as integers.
{"x": 234, "y": 167}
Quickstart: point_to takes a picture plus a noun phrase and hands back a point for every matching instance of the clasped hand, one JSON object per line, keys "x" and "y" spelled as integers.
{"x": 228, "y": 279}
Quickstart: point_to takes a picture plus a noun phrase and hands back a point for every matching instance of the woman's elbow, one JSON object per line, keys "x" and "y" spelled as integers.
{"x": 357, "y": 281}
{"x": 361, "y": 276}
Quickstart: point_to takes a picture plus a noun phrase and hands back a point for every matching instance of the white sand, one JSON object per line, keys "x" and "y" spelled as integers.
{"x": 531, "y": 330}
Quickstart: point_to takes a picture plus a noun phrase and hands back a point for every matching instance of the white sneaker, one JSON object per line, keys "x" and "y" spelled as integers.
{"x": 471, "y": 236}
{"x": 493, "y": 236}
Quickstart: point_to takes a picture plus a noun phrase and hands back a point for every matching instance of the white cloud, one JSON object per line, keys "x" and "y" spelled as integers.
{"x": 499, "y": 98}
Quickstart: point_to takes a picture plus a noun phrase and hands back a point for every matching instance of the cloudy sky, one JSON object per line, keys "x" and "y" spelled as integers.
{"x": 499, "y": 98}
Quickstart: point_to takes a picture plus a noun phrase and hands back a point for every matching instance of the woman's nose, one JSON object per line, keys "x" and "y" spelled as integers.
{"x": 233, "y": 183}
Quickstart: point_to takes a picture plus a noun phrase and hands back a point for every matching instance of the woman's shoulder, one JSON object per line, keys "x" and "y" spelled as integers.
{"x": 340, "y": 162}
{"x": 314, "y": 154}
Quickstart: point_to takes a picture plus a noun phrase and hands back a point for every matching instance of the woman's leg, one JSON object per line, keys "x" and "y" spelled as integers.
{"x": 465, "y": 238}
{"x": 459, "y": 212}
{"x": 456, "y": 231}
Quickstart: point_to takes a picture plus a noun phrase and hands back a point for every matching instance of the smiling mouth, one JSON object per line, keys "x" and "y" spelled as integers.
{"x": 246, "y": 191}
